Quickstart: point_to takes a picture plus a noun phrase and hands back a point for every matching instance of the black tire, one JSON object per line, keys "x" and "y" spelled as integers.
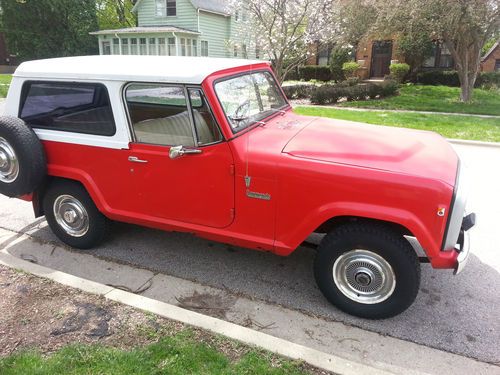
{"x": 27, "y": 149}
{"x": 368, "y": 239}
{"x": 97, "y": 223}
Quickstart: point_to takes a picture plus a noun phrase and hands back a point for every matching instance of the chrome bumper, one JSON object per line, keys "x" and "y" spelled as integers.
{"x": 463, "y": 252}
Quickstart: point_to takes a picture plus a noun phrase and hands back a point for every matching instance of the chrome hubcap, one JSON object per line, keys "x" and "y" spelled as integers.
{"x": 9, "y": 165}
{"x": 71, "y": 215}
{"x": 364, "y": 276}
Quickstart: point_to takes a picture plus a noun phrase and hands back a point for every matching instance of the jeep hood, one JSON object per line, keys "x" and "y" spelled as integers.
{"x": 405, "y": 151}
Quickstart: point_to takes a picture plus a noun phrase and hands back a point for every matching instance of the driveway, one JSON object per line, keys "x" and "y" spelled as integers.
{"x": 453, "y": 313}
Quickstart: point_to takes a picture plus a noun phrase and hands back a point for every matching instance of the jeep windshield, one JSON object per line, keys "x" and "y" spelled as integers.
{"x": 249, "y": 98}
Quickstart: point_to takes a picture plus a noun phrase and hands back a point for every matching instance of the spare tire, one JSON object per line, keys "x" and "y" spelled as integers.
{"x": 22, "y": 158}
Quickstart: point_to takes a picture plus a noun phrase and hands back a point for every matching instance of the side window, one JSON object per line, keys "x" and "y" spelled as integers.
{"x": 159, "y": 114}
{"x": 206, "y": 127}
{"x": 68, "y": 106}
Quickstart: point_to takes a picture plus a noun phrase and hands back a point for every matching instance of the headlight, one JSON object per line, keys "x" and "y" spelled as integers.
{"x": 456, "y": 215}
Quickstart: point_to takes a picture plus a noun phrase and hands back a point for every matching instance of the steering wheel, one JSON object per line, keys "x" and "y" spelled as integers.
{"x": 242, "y": 110}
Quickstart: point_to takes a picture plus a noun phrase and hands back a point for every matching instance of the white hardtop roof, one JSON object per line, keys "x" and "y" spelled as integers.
{"x": 173, "y": 69}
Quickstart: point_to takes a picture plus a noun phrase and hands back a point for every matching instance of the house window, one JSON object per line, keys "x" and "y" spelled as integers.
{"x": 162, "y": 49}
{"x": 152, "y": 46}
{"x": 161, "y": 9}
{"x": 106, "y": 48}
{"x": 143, "y": 47}
{"x": 183, "y": 46}
{"x": 116, "y": 46}
{"x": 430, "y": 62}
{"x": 244, "y": 51}
{"x": 497, "y": 65}
{"x": 125, "y": 46}
{"x": 237, "y": 16}
{"x": 204, "y": 48}
{"x": 171, "y": 8}
{"x": 195, "y": 47}
{"x": 257, "y": 52}
{"x": 445, "y": 59}
{"x": 324, "y": 53}
{"x": 189, "y": 47}
{"x": 235, "y": 51}
{"x": 133, "y": 46}
{"x": 171, "y": 47}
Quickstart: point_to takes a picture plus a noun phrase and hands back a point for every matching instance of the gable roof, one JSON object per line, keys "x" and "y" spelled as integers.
{"x": 494, "y": 47}
{"x": 214, "y": 6}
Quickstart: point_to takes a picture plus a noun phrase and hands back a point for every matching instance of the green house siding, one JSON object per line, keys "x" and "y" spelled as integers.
{"x": 186, "y": 17}
{"x": 191, "y": 29}
{"x": 214, "y": 28}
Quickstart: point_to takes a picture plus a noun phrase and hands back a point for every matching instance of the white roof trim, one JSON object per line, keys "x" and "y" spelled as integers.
{"x": 145, "y": 30}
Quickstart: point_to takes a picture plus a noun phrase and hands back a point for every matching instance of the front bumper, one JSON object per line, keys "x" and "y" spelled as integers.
{"x": 463, "y": 243}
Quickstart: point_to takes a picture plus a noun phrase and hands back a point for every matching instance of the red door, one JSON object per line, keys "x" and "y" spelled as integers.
{"x": 193, "y": 188}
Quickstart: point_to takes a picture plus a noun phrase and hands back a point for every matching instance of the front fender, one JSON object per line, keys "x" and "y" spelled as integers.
{"x": 290, "y": 240}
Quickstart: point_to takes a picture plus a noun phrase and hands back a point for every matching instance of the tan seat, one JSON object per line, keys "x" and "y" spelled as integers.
{"x": 173, "y": 130}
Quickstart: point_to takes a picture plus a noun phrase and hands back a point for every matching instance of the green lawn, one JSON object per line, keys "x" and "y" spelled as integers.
{"x": 435, "y": 99}
{"x": 451, "y": 126}
{"x": 4, "y": 82}
{"x": 5, "y": 78}
{"x": 180, "y": 354}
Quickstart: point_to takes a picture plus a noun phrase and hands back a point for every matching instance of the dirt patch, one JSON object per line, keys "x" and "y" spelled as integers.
{"x": 36, "y": 313}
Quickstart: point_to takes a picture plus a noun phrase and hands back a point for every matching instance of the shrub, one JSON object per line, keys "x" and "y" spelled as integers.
{"x": 438, "y": 77}
{"x": 298, "y": 91}
{"x": 488, "y": 80}
{"x": 340, "y": 55}
{"x": 399, "y": 71}
{"x": 388, "y": 88}
{"x": 350, "y": 69}
{"x": 326, "y": 94}
{"x": 373, "y": 90}
{"x": 349, "y": 82}
{"x": 310, "y": 72}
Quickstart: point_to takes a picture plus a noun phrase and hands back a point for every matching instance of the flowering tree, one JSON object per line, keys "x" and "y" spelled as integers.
{"x": 463, "y": 25}
{"x": 284, "y": 30}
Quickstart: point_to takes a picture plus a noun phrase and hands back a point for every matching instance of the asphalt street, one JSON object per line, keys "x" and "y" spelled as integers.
{"x": 458, "y": 314}
{"x": 453, "y": 313}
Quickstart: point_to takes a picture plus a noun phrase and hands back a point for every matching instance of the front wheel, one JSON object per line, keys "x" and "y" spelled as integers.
{"x": 367, "y": 270}
{"x": 73, "y": 216}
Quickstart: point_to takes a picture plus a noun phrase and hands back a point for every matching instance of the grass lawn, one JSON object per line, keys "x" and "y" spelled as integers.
{"x": 4, "y": 81}
{"x": 179, "y": 354}
{"x": 435, "y": 99}
{"x": 5, "y": 78}
{"x": 451, "y": 126}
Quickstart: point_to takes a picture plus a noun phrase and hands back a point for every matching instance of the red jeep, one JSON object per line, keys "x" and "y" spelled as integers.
{"x": 212, "y": 147}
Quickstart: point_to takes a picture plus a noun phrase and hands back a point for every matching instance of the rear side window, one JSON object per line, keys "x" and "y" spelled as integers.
{"x": 68, "y": 106}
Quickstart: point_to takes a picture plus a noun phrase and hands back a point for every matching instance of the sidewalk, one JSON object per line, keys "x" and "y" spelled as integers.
{"x": 393, "y": 110}
{"x": 325, "y": 344}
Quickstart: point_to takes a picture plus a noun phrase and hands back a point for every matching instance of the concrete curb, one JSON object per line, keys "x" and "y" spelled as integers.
{"x": 473, "y": 143}
{"x": 243, "y": 334}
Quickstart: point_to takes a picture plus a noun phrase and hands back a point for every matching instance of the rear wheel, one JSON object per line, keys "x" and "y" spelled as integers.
{"x": 73, "y": 216}
{"x": 367, "y": 270}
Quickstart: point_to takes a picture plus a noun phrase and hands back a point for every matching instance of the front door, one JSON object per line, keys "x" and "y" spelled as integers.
{"x": 381, "y": 58}
{"x": 182, "y": 168}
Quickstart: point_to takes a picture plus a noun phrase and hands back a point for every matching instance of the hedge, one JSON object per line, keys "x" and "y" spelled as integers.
{"x": 450, "y": 78}
{"x": 320, "y": 73}
{"x": 329, "y": 94}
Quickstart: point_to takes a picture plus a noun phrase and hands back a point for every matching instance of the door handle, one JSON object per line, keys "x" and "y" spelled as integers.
{"x": 135, "y": 159}
{"x": 178, "y": 151}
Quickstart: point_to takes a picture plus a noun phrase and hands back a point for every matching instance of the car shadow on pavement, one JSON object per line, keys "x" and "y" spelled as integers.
{"x": 453, "y": 313}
